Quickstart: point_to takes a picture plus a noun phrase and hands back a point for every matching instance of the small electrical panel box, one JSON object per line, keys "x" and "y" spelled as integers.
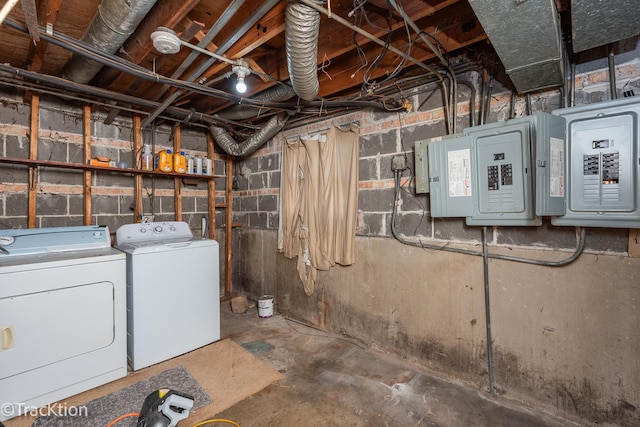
{"x": 603, "y": 165}
{"x": 451, "y": 171}
{"x": 504, "y": 182}
{"x": 507, "y": 173}
{"x": 421, "y": 166}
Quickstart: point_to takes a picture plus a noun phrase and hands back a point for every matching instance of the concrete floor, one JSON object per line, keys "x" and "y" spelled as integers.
{"x": 334, "y": 381}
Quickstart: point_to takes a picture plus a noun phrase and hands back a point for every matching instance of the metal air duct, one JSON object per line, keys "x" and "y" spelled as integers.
{"x": 597, "y": 23}
{"x": 302, "y": 26}
{"x": 251, "y": 144}
{"x": 115, "y": 21}
{"x": 278, "y": 93}
{"x": 526, "y": 36}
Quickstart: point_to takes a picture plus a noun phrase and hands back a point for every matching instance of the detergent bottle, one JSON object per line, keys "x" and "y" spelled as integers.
{"x": 180, "y": 162}
{"x": 146, "y": 159}
{"x": 165, "y": 161}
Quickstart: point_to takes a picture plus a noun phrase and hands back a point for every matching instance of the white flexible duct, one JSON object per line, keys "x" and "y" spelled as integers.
{"x": 115, "y": 21}
{"x": 302, "y": 26}
{"x": 251, "y": 144}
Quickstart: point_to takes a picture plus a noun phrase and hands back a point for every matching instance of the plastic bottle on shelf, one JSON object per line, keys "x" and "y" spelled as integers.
{"x": 165, "y": 161}
{"x": 189, "y": 164}
{"x": 146, "y": 159}
{"x": 180, "y": 162}
{"x": 206, "y": 166}
{"x": 198, "y": 166}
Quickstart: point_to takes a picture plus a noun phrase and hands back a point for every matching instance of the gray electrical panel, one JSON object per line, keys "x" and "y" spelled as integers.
{"x": 603, "y": 164}
{"x": 421, "y": 159}
{"x": 451, "y": 170}
{"x": 549, "y": 133}
{"x": 503, "y": 187}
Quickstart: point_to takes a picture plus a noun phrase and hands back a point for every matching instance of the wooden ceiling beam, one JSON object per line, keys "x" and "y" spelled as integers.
{"x": 48, "y": 14}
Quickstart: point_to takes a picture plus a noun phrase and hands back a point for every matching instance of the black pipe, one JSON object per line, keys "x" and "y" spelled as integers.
{"x": 612, "y": 75}
{"x": 487, "y": 306}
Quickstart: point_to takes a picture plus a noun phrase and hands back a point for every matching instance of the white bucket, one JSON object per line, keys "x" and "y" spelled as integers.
{"x": 265, "y": 306}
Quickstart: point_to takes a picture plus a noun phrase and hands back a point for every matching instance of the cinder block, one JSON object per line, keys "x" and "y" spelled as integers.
{"x": 267, "y": 203}
{"x": 17, "y": 146}
{"x": 239, "y": 304}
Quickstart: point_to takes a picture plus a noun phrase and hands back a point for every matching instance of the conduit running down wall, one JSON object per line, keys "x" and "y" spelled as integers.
{"x": 112, "y": 25}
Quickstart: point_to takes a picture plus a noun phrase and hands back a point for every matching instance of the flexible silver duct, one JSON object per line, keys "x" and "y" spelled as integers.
{"x": 251, "y": 144}
{"x": 115, "y": 21}
{"x": 277, "y": 93}
{"x": 302, "y": 26}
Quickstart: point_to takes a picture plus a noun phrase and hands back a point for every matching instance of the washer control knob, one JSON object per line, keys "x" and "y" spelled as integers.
{"x": 157, "y": 229}
{"x": 172, "y": 228}
{"x": 143, "y": 230}
{"x": 7, "y": 240}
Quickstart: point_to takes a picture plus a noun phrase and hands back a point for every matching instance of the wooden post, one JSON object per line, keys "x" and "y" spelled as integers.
{"x": 177, "y": 186}
{"x": 228, "y": 225}
{"x": 34, "y": 132}
{"x": 137, "y": 178}
{"x": 211, "y": 189}
{"x": 86, "y": 140}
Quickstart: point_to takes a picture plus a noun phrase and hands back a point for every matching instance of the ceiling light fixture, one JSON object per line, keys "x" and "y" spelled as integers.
{"x": 167, "y": 42}
{"x": 242, "y": 71}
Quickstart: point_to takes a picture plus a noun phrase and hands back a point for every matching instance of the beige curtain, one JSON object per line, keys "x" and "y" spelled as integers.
{"x": 319, "y": 202}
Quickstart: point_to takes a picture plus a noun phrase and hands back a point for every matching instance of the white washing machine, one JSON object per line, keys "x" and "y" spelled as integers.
{"x": 62, "y": 315}
{"x": 173, "y": 291}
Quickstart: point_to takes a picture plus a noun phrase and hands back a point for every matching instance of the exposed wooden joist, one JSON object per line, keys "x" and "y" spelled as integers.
{"x": 31, "y": 18}
{"x": 48, "y": 14}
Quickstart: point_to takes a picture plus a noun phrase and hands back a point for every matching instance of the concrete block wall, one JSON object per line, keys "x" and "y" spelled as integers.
{"x": 563, "y": 338}
{"x": 59, "y": 200}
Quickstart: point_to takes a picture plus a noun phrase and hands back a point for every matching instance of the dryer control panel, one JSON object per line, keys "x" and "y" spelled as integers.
{"x": 152, "y": 232}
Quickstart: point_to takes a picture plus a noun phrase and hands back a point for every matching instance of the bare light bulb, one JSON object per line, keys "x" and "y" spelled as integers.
{"x": 241, "y": 86}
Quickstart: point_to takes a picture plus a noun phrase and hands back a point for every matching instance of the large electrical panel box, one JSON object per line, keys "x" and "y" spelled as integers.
{"x": 451, "y": 171}
{"x": 603, "y": 165}
{"x": 503, "y": 187}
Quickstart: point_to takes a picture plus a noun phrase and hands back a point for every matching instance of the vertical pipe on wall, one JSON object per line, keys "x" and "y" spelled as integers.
{"x": 572, "y": 96}
{"x": 612, "y": 75}
{"x": 487, "y": 307}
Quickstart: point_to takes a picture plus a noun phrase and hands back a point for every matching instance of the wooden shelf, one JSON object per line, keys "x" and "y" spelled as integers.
{"x": 80, "y": 166}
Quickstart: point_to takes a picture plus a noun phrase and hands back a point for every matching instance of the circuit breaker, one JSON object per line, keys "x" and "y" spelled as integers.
{"x": 603, "y": 165}
{"x": 504, "y": 181}
{"x": 451, "y": 171}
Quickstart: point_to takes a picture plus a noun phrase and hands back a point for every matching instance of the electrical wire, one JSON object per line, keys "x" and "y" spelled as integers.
{"x": 579, "y": 247}
{"x": 217, "y": 420}
{"x": 122, "y": 417}
{"x": 84, "y": 49}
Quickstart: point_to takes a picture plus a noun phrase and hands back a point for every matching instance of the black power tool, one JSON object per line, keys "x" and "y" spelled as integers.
{"x": 164, "y": 408}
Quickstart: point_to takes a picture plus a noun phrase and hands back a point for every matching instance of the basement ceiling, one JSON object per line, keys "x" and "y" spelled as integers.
{"x": 363, "y": 54}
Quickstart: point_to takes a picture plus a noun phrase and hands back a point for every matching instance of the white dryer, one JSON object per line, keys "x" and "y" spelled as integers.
{"x": 173, "y": 291}
{"x": 62, "y": 315}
